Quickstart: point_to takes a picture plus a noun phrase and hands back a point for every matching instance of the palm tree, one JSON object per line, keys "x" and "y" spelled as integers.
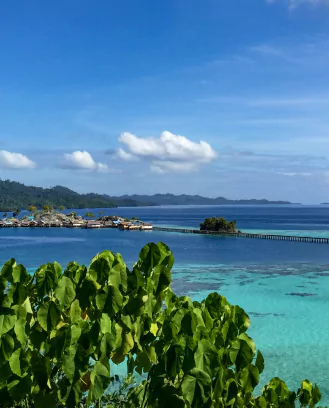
{"x": 89, "y": 215}
{"x": 32, "y": 208}
{"x": 16, "y": 212}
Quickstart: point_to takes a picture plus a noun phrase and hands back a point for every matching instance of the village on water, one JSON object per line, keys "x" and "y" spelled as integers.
{"x": 71, "y": 220}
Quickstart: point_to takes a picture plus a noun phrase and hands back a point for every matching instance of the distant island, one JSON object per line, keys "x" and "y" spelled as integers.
{"x": 185, "y": 199}
{"x": 215, "y": 224}
{"x": 14, "y": 195}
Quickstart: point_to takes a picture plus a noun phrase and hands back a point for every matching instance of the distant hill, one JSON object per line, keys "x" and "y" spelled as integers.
{"x": 14, "y": 195}
{"x": 171, "y": 199}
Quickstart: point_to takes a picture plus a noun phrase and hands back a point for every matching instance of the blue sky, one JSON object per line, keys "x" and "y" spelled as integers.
{"x": 218, "y": 98}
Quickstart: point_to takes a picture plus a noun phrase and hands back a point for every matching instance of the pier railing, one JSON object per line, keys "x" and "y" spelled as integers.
{"x": 246, "y": 235}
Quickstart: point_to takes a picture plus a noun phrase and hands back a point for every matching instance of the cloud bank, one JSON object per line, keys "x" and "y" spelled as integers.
{"x": 167, "y": 153}
{"x": 10, "y": 160}
{"x": 82, "y": 160}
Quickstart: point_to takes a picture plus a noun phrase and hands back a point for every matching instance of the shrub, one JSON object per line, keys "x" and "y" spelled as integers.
{"x": 59, "y": 330}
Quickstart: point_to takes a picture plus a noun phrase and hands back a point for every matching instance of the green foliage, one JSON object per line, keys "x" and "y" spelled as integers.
{"x": 16, "y": 213}
{"x": 89, "y": 215}
{"x": 17, "y": 195}
{"x": 61, "y": 208}
{"x": 59, "y": 330}
{"x": 32, "y": 208}
{"x": 47, "y": 208}
{"x": 218, "y": 224}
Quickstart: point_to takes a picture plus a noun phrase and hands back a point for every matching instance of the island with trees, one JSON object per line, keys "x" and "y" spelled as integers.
{"x": 215, "y": 224}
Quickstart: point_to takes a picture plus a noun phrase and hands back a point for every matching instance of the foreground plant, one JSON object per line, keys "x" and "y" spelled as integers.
{"x": 59, "y": 330}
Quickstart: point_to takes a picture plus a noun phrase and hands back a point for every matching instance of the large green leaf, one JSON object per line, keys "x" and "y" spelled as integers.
{"x": 249, "y": 378}
{"x": 106, "y": 324}
{"x": 75, "y": 311}
{"x": 7, "y": 345}
{"x": 7, "y": 270}
{"x": 7, "y": 322}
{"x": 99, "y": 270}
{"x": 69, "y": 363}
{"x": 3, "y": 286}
{"x": 246, "y": 352}
{"x": 108, "y": 344}
{"x": 15, "y": 362}
{"x": 118, "y": 267}
{"x": 75, "y": 272}
{"x": 100, "y": 379}
{"x": 75, "y": 331}
{"x": 110, "y": 300}
{"x": 260, "y": 362}
{"x": 20, "y": 274}
{"x": 47, "y": 278}
{"x": 202, "y": 393}
{"x": 65, "y": 292}
{"x": 49, "y": 315}
{"x": 149, "y": 257}
{"x": 20, "y": 331}
{"x": 206, "y": 357}
{"x": 161, "y": 278}
{"x": 188, "y": 388}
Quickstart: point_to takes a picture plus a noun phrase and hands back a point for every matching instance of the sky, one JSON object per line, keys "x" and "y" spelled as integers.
{"x": 217, "y": 98}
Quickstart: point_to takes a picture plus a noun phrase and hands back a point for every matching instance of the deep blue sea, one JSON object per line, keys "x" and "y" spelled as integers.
{"x": 284, "y": 286}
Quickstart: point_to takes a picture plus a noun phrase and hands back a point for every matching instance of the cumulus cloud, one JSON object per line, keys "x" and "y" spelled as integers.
{"x": 123, "y": 155}
{"x": 82, "y": 160}
{"x": 12, "y": 160}
{"x": 169, "y": 152}
{"x": 168, "y": 146}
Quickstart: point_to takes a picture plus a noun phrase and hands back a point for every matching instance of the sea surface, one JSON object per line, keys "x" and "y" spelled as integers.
{"x": 283, "y": 286}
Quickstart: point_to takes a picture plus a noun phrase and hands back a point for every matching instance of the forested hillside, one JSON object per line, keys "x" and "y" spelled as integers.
{"x": 14, "y": 195}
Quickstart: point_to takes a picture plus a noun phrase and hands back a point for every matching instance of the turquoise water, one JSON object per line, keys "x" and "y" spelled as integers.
{"x": 282, "y": 285}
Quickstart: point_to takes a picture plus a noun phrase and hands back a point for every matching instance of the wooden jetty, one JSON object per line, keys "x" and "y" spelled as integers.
{"x": 246, "y": 235}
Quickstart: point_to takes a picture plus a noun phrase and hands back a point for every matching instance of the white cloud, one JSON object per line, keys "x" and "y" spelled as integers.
{"x": 12, "y": 160}
{"x": 123, "y": 155}
{"x": 175, "y": 167}
{"x": 83, "y": 161}
{"x": 295, "y": 174}
{"x": 169, "y": 152}
{"x": 168, "y": 147}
